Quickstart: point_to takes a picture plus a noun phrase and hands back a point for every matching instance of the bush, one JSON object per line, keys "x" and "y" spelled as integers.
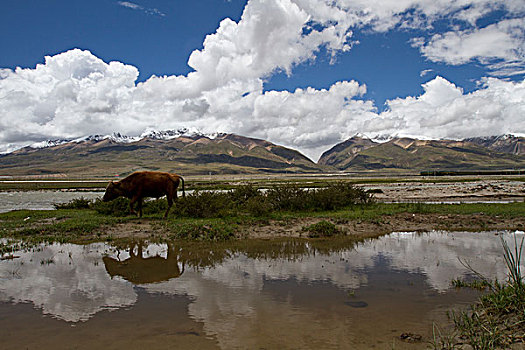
{"x": 116, "y": 207}
{"x": 156, "y": 206}
{"x": 288, "y": 197}
{"x": 245, "y": 198}
{"x": 244, "y": 193}
{"x": 76, "y": 203}
{"x": 322, "y": 229}
{"x": 203, "y": 205}
{"x": 258, "y": 206}
{"x": 338, "y": 195}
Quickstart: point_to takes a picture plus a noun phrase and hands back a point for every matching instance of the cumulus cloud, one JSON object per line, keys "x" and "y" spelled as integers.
{"x": 500, "y": 45}
{"x": 444, "y": 110}
{"x": 74, "y": 93}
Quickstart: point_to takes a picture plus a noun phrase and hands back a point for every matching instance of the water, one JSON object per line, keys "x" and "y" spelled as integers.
{"x": 277, "y": 294}
{"x": 40, "y": 200}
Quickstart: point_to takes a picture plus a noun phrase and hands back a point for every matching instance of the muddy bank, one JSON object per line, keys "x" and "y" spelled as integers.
{"x": 294, "y": 227}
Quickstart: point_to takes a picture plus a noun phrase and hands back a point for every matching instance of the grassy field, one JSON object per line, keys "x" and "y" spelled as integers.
{"x": 89, "y": 225}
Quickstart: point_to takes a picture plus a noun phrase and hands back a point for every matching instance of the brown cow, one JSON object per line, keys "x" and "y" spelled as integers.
{"x": 145, "y": 184}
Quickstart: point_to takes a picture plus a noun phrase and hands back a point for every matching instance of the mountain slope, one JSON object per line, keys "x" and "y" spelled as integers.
{"x": 406, "y": 154}
{"x": 194, "y": 154}
{"x": 504, "y": 143}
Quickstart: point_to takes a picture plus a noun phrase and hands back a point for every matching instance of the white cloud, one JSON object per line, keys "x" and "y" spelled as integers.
{"x": 133, "y": 6}
{"x": 425, "y": 72}
{"x": 75, "y": 93}
{"x": 500, "y": 45}
{"x": 443, "y": 110}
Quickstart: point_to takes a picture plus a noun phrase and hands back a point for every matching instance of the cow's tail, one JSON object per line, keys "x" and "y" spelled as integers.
{"x": 183, "y": 192}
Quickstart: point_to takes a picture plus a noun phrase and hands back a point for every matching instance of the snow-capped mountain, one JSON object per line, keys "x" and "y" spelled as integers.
{"x": 184, "y": 151}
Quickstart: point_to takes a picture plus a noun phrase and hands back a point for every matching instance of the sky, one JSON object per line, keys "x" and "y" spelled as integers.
{"x": 305, "y": 74}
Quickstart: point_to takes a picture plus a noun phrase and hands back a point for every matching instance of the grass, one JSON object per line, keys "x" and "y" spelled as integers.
{"x": 217, "y": 223}
{"x": 65, "y": 225}
{"x": 322, "y": 229}
{"x": 497, "y": 320}
{"x": 479, "y": 284}
{"x": 221, "y": 215}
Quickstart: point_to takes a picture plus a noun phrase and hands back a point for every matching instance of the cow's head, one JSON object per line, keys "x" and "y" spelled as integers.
{"x": 112, "y": 191}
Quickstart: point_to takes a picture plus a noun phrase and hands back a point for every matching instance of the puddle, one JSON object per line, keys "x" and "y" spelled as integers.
{"x": 278, "y": 294}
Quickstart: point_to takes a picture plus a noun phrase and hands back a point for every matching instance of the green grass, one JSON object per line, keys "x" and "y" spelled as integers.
{"x": 65, "y": 225}
{"x": 497, "y": 320}
{"x": 322, "y": 229}
{"x": 218, "y": 216}
{"x": 479, "y": 284}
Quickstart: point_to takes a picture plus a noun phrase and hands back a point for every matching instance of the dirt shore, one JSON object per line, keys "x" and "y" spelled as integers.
{"x": 294, "y": 227}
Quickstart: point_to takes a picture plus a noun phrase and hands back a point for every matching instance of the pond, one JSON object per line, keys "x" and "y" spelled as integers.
{"x": 273, "y": 294}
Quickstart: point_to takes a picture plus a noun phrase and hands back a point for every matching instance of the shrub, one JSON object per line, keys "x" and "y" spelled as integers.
{"x": 243, "y": 193}
{"x": 248, "y": 199}
{"x": 322, "y": 229}
{"x": 75, "y": 203}
{"x": 338, "y": 195}
{"x": 203, "y": 205}
{"x": 288, "y": 197}
{"x": 258, "y": 206}
{"x": 156, "y": 206}
{"x": 116, "y": 207}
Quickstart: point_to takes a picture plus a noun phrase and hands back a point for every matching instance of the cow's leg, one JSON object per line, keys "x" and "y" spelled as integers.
{"x": 170, "y": 203}
{"x": 139, "y": 206}
{"x": 132, "y": 202}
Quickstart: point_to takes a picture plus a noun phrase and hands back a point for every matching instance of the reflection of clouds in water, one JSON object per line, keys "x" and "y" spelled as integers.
{"x": 67, "y": 281}
{"x": 436, "y": 255}
{"x": 227, "y": 297}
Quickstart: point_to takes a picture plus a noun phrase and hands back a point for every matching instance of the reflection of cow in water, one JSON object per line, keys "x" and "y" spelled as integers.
{"x": 140, "y": 270}
{"x": 145, "y": 184}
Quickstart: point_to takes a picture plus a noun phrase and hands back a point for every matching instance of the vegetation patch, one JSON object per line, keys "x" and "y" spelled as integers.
{"x": 497, "y": 320}
{"x": 322, "y": 229}
{"x": 76, "y": 203}
{"x": 242, "y": 200}
{"x": 479, "y": 284}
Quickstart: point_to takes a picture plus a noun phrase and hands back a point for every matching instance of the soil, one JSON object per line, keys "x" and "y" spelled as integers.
{"x": 403, "y": 222}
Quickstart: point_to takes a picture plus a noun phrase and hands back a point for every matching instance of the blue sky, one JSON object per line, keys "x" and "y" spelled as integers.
{"x": 360, "y": 66}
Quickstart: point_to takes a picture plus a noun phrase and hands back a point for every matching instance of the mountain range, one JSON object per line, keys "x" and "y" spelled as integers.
{"x": 167, "y": 151}
{"x": 192, "y": 153}
{"x": 504, "y": 152}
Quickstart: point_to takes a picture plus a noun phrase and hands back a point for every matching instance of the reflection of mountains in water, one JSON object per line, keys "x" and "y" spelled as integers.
{"x": 71, "y": 283}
